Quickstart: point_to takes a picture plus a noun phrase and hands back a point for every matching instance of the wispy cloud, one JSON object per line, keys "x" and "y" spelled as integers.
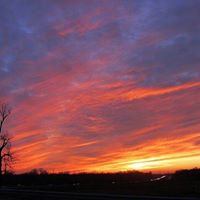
{"x": 102, "y": 85}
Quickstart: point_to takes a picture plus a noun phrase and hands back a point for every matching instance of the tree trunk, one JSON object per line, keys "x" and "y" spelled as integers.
{"x": 1, "y": 162}
{"x": 0, "y": 166}
{"x": 0, "y": 170}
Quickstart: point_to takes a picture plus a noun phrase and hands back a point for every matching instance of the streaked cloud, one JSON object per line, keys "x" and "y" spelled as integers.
{"x": 102, "y": 85}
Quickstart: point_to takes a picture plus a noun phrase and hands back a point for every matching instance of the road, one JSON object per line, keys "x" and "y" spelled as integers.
{"x": 19, "y": 194}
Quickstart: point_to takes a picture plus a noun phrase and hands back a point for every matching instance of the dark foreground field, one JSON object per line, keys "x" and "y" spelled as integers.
{"x": 17, "y": 194}
{"x": 127, "y": 185}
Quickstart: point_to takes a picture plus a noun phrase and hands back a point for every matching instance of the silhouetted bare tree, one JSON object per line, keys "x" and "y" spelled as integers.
{"x": 6, "y": 155}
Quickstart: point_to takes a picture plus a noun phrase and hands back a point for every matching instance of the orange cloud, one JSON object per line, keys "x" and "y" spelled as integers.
{"x": 86, "y": 87}
{"x": 142, "y": 93}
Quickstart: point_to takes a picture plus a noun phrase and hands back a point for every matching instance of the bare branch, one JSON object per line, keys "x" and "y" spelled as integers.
{"x": 5, "y": 141}
{"x": 4, "y": 113}
{"x": 6, "y": 156}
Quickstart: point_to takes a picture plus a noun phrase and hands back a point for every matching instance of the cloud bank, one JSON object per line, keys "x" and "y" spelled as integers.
{"x": 102, "y": 85}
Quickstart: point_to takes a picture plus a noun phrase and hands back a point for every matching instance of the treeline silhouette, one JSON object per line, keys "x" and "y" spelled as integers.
{"x": 187, "y": 175}
{"x": 181, "y": 183}
{"x": 42, "y": 177}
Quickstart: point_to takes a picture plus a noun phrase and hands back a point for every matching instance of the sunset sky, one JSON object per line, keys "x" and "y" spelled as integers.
{"x": 100, "y": 85}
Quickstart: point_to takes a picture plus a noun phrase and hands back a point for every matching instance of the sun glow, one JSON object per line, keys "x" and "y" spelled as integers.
{"x": 148, "y": 165}
{"x": 138, "y": 166}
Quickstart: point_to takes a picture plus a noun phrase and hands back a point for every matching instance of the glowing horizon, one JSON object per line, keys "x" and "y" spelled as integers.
{"x": 102, "y": 85}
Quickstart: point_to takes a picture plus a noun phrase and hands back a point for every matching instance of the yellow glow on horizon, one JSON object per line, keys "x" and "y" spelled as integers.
{"x": 147, "y": 165}
{"x": 168, "y": 164}
{"x": 138, "y": 166}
